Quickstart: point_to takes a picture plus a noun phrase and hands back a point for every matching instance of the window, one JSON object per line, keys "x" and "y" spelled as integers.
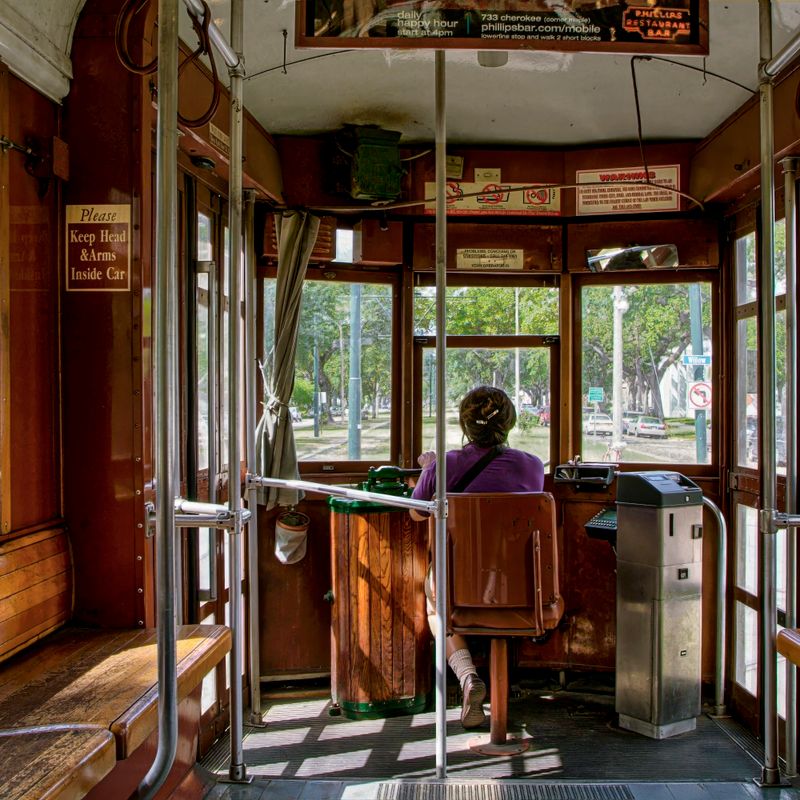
{"x": 341, "y": 406}
{"x": 646, "y": 372}
{"x": 498, "y": 336}
{"x": 747, "y": 365}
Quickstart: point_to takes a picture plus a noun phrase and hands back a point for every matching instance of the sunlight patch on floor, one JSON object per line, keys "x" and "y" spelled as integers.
{"x": 341, "y": 762}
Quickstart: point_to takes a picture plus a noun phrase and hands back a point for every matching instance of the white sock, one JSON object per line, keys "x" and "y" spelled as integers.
{"x": 461, "y": 663}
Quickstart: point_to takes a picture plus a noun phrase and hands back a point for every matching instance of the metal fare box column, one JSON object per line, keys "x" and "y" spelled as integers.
{"x": 659, "y": 587}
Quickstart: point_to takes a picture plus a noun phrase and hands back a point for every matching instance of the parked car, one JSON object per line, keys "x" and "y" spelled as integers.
{"x": 628, "y": 418}
{"x": 600, "y": 424}
{"x": 649, "y": 426}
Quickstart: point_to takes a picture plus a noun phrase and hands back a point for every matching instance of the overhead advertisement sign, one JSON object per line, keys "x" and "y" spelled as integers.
{"x": 616, "y": 26}
{"x": 485, "y": 198}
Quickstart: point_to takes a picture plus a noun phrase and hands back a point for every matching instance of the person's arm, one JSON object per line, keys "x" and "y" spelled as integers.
{"x": 425, "y": 485}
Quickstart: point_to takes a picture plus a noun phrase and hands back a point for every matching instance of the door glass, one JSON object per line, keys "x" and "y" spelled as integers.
{"x": 747, "y": 548}
{"x": 747, "y": 648}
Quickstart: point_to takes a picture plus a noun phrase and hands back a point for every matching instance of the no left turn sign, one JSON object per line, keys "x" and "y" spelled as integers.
{"x": 700, "y": 395}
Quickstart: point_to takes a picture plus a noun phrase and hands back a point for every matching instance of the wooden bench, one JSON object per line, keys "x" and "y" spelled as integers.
{"x": 74, "y": 683}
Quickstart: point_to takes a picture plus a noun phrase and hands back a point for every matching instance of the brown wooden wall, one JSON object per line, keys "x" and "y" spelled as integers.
{"x": 106, "y": 456}
{"x": 30, "y": 491}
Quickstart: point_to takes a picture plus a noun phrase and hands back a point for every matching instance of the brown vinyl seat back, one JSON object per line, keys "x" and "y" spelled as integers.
{"x": 502, "y": 564}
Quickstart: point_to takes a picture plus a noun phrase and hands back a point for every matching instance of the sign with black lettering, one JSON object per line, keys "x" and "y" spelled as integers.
{"x": 616, "y": 26}
{"x": 98, "y": 251}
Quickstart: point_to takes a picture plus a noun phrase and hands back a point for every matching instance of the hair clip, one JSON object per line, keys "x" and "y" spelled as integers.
{"x": 492, "y": 414}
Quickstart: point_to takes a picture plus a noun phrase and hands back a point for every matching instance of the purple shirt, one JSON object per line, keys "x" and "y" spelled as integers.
{"x": 511, "y": 471}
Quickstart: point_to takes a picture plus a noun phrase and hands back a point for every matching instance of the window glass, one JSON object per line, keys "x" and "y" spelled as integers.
{"x": 223, "y": 352}
{"x": 745, "y": 255}
{"x": 208, "y": 696}
{"x": 343, "y": 362}
{"x": 780, "y": 392}
{"x": 747, "y": 648}
{"x": 202, "y": 342}
{"x": 487, "y": 310}
{"x": 780, "y": 256}
{"x": 646, "y": 354}
{"x": 747, "y": 392}
{"x": 470, "y": 367}
{"x": 747, "y": 548}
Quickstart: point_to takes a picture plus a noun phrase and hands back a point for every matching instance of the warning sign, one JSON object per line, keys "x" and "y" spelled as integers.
{"x": 700, "y": 395}
{"x": 628, "y": 190}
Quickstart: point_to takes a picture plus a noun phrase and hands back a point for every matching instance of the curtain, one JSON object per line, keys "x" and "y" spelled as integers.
{"x": 275, "y": 449}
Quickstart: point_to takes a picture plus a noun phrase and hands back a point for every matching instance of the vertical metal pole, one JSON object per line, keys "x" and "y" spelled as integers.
{"x": 722, "y": 552}
{"x": 440, "y": 578}
{"x": 165, "y": 410}
{"x": 214, "y": 336}
{"x": 251, "y": 400}
{"x": 790, "y": 212}
{"x": 770, "y": 774}
{"x": 238, "y": 770}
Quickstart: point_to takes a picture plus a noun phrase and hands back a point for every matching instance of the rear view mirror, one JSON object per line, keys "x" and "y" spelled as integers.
{"x": 654, "y": 256}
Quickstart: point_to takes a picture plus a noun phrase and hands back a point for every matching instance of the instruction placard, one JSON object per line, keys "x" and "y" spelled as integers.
{"x": 98, "y": 248}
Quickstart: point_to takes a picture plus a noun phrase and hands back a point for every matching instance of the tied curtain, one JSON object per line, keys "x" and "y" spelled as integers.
{"x": 276, "y": 456}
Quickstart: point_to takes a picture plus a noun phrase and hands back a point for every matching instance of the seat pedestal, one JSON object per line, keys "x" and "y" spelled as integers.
{"x": 499, "y": 742}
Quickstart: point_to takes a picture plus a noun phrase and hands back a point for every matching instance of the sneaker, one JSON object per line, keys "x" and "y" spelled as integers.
{"x": 474, "y": 693}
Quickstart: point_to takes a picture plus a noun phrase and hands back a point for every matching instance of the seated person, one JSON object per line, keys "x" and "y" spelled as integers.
{"x": 486, "y": 416}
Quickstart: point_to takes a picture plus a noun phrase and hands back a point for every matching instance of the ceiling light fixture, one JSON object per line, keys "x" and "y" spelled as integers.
{"x": 492, "y": 58}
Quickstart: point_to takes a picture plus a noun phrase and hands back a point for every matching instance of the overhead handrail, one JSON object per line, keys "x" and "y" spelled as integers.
{"x": 790, "y": 50}
{"x": 232, "y": 60}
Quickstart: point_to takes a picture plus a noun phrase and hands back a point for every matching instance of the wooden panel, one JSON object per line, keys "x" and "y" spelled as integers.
{"x": 295, "y": 630}
{"x": 54, "y": 762}
{"x": 28, "y": 305}
{"x": 105, "y": 678}
{"x": 381, "y": 637}
{"x": 35, "y": 588}
{"x": 697, "y": 240}
{"x": 541, "y": 244}
{"x": 378, "y": 244}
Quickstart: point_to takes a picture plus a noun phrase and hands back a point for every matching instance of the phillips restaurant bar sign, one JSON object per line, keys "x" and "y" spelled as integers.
{"x": 616, "y": 26}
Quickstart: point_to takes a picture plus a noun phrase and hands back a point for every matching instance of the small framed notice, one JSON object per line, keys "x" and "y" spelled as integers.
{"x": 98, "y": 248}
